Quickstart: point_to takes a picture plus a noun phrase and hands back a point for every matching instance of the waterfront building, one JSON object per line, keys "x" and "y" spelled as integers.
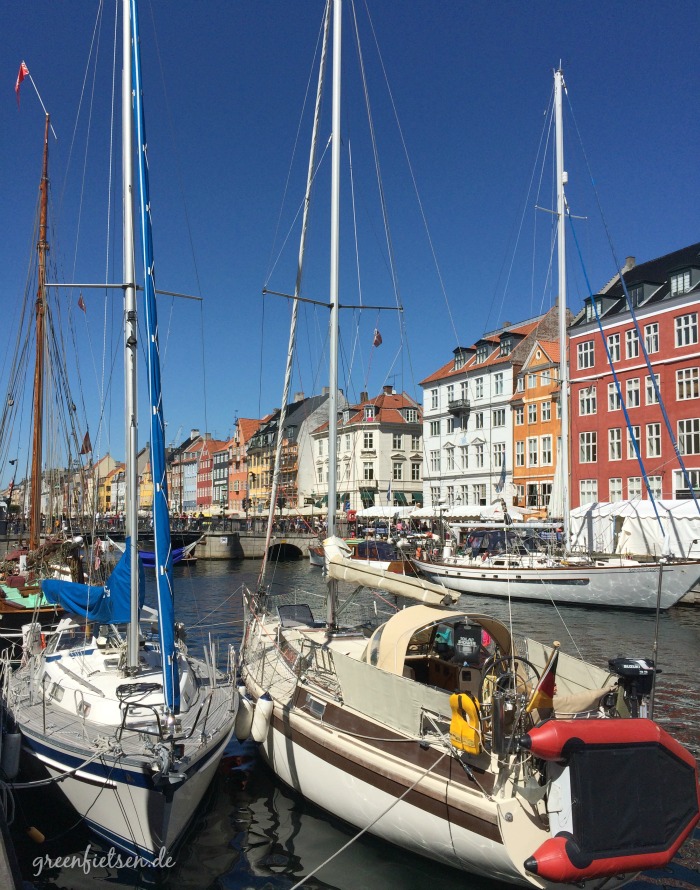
{"x": 238, "y": 464}
{"x": 612, "y": 377}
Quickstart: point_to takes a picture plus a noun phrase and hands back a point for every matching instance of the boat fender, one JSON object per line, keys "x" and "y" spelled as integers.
{"x": 244, "y": 717}
{"x": 465, "y": 729}
{"x": 261, "y": 718}
{"x": 9, "y": 761}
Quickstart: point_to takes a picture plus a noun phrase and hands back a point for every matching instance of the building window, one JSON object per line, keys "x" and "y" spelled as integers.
{"x": 547, "y": 451}
{"x": 650, "y": 390}
{"x": 615, "y": 444}
{"x": 615, "y": 490}
{"x": 519, "y": 415}
{"x": 482, "y": 352}
{"x": 679, "y": 483}
{"x": 588, "y": 452}
{"x": 368, "y": 441}
{"x": 688, "y": 383}
{"x": 520, "y": 385}
{"x": 460, "y": 359}
{"x": 653, "y": 440}
{"x": 499, "y": 417}
{"x": 450, "y": 425}
{"x": 479, "y": 454}
{"x": 464, "y": 456}
{"x": 532, "y": 449}
{"x": 587, "y": 401}
{"x": 689, "y": 436}
{"x": 546, "y": 411}
{"x": 397, "y": 442}
{"x": 655, "y": 486}
{"x": 450, "y": 458}
{"x": 369, "y": 412}
{"x": 636, "y": 294}
{"x": 479, "y": 388}
{"x": 588, "y": 489}
{"x": 680, "y": 283}
{"x": 415, "y": 472}
{"x": 520, "y": 454}
{"x": 499, "y": 454}
{"x": 368, "y": 470}
{"x": 586, "y": 355}
{"x": 479, "y": 420}
{"x": 613, "y": 397}
{"x": 415, "y": 443}
{"x": 531, "y": 381}
{"x": 433, "y": 399}
{"x": 687, "y": 329}
{"x": 479, "y": 494}
{"x": 397, "y": 471}
{"x": 532, "y": 413}
{"x": 614, "y": 347}
{"x": 634, "y": 488}
{"x": 450, "y": 393}
{"x": 411, "y": 415}
{"x": 632, "y": 440}
{"x": 434, "y": 461}
{"x": 631, "y": 343}
{"x": 498, "y": 384}
{"x": 593, "y": 308}
{"x": 651, "y": 337}
{"x": 434, "y": 427}
{"x": 632, "y": 393}
{"x": 506, "y": 345}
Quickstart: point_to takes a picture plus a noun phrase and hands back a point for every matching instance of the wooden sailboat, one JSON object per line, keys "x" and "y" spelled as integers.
{"x": 130, "y": 725}
{"x": 428, "y": 729}
{"x": 613, "y": 582}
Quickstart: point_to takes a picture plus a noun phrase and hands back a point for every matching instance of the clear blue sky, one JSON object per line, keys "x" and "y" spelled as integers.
{"x": 224, "y": 87}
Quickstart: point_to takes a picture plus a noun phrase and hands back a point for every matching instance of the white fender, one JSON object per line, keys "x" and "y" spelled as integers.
{"x": 261, "y": 718}
{"x": 244, "y": 717}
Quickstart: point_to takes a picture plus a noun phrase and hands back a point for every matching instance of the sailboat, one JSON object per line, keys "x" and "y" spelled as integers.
{"x": 128, "y": 724}
{"x": 516, "y": 572}
{"x": 429, "y": 730}
{"x": 39, "y": 556}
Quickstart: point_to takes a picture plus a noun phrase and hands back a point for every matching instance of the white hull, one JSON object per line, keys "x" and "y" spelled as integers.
{"x": 358, "y": 801}
{"x": 120, "y": 800}
{"x": 610, "y": 585}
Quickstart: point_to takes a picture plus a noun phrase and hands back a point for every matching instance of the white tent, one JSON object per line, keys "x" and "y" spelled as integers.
{"x": 631, "y": 527}
{"x": 384, "y": 511}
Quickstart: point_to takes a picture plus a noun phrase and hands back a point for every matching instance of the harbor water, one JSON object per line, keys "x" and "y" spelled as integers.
{"x": 253, "y": 832}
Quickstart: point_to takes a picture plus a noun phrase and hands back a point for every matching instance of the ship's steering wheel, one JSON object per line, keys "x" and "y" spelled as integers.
{"x": 507, "y": 673}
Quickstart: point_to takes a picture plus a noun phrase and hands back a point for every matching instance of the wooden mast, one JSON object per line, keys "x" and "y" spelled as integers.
{"x": 37, "y": 436}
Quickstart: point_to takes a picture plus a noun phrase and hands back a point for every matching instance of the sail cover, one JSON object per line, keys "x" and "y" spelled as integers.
{"x": 108, "y": 604}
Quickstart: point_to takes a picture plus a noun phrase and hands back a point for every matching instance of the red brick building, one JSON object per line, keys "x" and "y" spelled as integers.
{"x": 614, "y": 402}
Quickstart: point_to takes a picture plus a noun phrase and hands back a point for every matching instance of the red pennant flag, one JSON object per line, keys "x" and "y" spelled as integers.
{"x": 23, "y": 72}
{"x": 87, "y": 446}
{"x": 377, "y": 338}
{"x": 81, "y": 303}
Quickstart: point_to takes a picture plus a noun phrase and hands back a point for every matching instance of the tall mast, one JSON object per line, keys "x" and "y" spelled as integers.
{"x": 562, "y": 179}
{"x": 130, "y": 354}
{"x": 38, "y": 432}
{"x": 334, "y": 297}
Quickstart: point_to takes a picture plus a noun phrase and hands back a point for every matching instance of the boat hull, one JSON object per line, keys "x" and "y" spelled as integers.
{"x": 123, "y": 803}
{"x": 610, "y": 585}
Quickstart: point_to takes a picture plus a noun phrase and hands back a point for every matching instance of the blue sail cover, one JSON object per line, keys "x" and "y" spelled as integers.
{"x": 110, "y": 604}
{"x": 161, "y": 512}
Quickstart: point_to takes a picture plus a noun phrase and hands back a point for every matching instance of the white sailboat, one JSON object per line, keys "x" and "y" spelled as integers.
{"x": 612, "y": 582}
{"x": 126, "y": 722}
{"x": 427, "y": 729}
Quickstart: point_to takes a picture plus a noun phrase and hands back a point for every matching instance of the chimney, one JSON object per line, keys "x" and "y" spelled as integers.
{"x": 363, "y": 397}
{"x": 388, "y": 389}
{"x": 630, "y": 263}
{"x": 194, "y": 434}
{"x": 298, "y": 396}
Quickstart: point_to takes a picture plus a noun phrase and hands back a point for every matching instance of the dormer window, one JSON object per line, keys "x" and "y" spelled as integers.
{"x": 411, "y": 415}
{"x": 482, "y": 352}
{"x": 680, "y": 283}
{"x": 369, "y": 412}
{"x": 636, "y": 294}
{"x": 506, "y": 345}
{"x": 460, "y": 359}
{"x": 591, "y": 308}
{"x": 346, "y": 415}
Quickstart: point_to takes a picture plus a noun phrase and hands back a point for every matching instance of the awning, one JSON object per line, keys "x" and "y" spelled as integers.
{"x": 400, "y": 499}
{"x": 417, "y": 497}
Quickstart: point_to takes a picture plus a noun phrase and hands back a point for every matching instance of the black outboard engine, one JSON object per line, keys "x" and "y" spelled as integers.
{"x": 637, "y": 680}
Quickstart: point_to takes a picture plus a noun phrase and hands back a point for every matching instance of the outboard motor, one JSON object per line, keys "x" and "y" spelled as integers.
{"x": 637, "y": 680}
